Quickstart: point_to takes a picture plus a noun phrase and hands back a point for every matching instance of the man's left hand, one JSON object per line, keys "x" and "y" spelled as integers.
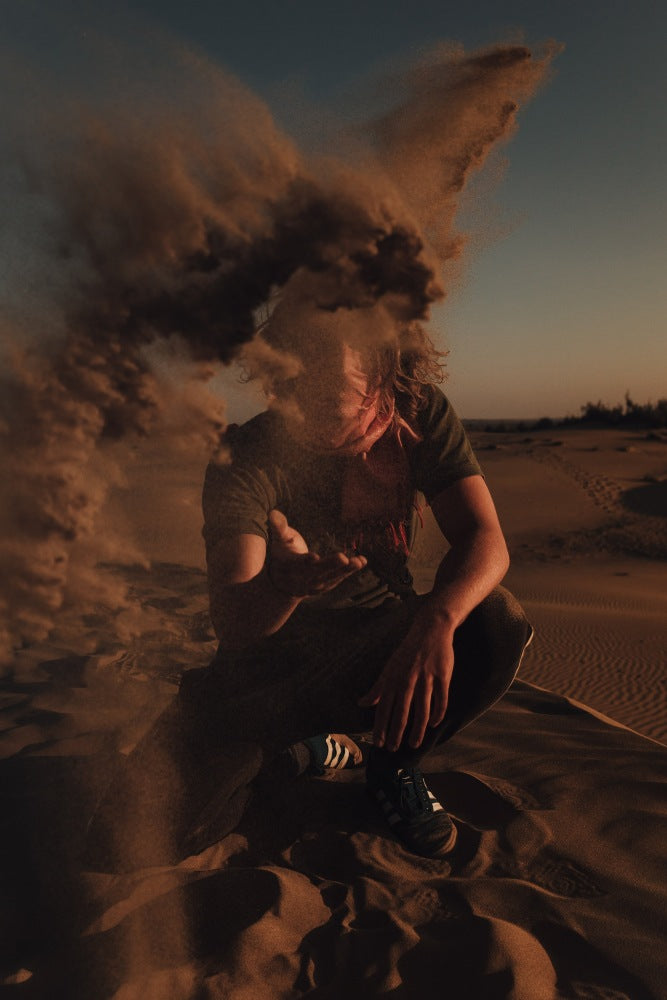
{"x": 417, "y": 677}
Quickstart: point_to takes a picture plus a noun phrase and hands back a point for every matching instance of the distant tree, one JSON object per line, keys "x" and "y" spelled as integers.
{"x": 600, "y": 413}
{"x": 626, "y": 414}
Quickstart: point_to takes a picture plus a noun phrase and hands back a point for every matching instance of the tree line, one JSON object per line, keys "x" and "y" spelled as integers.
{"x": 626, "y": 414}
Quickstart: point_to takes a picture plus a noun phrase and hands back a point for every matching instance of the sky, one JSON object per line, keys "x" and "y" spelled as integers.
{"x": 563, "y": 298}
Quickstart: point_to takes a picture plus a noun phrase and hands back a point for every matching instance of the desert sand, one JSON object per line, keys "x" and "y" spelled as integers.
{"x": 557, "y": 886}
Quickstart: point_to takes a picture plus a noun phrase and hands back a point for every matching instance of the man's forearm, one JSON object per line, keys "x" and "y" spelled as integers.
{"x": 253, "y": 593}
{"x": 246, "y": 612}
{"x": 467, "y": 574}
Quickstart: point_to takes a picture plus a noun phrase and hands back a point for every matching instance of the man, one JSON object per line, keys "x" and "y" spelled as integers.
{"x": 308, "y": 529}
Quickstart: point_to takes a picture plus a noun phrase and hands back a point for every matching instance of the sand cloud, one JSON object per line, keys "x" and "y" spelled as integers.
{"x": 147, "y": 216}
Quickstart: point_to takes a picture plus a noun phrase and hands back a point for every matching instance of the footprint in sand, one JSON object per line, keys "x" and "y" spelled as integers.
{"x": 560, "y": 876}
{"x": 436, "y": 904}
{"x": 529, "y": 859}
{"x": 634, "y": 529}
{"x": 452, "y": 907}
{"x": 517, "y": 797}
{"x": 602, "y": 490}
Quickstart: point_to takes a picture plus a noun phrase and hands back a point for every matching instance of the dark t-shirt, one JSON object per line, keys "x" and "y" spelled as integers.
{"x": 339, "y": 502}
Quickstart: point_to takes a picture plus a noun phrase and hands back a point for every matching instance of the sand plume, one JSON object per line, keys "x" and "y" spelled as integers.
{"x": 174, "y": 219}
{"x": 456, "y": 108}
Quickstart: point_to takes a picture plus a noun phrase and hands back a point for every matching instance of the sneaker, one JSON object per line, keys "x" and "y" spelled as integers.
{"x": 412, "y": 810}
{"x": 318, "y": 754}
{"x": 332, "y": 751}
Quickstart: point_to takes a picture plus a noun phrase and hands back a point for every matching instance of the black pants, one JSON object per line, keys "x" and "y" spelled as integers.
{"x": 229, "y": 718}
{"x": 308, "y": 677}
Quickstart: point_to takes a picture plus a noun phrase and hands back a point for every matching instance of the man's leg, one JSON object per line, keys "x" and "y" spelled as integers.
{"x": 306, "y": 679}
{"x": 488, "y": 648}
{"x": 187, "y": 781}
{"x": 310, "y": 678}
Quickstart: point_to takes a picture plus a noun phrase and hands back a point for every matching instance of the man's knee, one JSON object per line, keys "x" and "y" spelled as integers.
{"x": 499, "y": 625}
{"x": 502, "y": 607}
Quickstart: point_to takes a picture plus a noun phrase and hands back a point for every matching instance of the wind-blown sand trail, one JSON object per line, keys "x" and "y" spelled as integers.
{"x": 557, "y": 886}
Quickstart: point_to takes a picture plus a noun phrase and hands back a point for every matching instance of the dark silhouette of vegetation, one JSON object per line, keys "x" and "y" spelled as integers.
{"x": 627, "y": 414}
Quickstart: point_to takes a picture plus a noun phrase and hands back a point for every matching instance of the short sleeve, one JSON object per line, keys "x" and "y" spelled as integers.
{"x": 444, "y": 455}
{"x": 237, "y": 496}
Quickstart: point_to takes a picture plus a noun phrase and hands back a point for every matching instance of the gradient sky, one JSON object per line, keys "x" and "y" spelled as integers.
{"x": 566, "y": 299}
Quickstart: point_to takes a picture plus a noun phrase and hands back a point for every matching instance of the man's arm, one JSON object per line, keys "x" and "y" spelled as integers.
{"x": 419, "y": 672}
{"x": 237, "y": 584}
{"x": 253, "y": 591}
{"x": 478, "y": 558}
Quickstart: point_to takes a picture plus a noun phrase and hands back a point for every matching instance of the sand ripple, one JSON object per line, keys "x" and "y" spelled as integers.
{"x": 619, "y": 671}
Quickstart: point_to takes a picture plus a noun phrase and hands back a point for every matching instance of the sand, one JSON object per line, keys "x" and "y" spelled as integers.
{"x": 557, "y": 886}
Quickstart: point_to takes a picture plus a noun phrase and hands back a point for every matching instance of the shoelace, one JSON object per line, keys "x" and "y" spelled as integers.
{"x": 413, "y": 793}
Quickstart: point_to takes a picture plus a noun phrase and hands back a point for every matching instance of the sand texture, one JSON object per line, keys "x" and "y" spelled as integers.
{"x": 557, "y": 886}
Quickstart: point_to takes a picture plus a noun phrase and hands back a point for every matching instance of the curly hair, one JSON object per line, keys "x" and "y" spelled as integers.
{"x": 401, "y": 367}
{"x": 404, "y": 370}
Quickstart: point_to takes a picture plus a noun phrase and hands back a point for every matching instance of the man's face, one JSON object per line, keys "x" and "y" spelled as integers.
{"x": 333, "y": 399}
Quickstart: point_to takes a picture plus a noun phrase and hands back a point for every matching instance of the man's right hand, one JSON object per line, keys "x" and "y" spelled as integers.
{"x": 296, "y": 572}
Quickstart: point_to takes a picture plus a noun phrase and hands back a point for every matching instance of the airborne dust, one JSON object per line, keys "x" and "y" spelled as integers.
{"x": 144, "y": 217}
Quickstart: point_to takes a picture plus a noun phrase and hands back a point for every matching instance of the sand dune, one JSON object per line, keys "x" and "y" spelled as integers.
{"x": 557, "y": 886}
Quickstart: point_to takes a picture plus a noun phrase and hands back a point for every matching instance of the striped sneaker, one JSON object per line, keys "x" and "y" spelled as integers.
{"x": 332, "y": 751}
{"x": 412, "y": 810}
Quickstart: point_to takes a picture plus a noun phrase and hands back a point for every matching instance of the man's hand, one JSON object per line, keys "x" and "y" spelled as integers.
{"x": 296, "y": 572}
{"x": 416, "y": 677}
{"x": 419, "y": 673}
